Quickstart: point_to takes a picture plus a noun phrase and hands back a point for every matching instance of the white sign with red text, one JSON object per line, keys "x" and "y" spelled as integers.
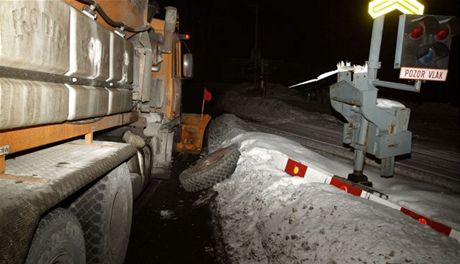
{"x": 423, "y": 74}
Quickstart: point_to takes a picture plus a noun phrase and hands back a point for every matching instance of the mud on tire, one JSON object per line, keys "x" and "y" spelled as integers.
{"x": 58, "y": 239}
{"x": 105, "y": 212}
{"x": 210, "y": 169}
{"x": 215, "y": 135}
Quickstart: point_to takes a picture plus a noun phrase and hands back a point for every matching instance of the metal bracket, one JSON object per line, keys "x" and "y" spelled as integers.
{"x": 90, "y": 11}
{"x": 4, "y": 149}
{"x": 170, "y": 125}
{"x": 399, "y": 86}
{"x": 120, "y": 31}
{"x": 360, "y": 147}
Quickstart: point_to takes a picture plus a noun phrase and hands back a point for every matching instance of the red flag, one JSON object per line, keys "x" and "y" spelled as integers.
{"x": 207, "y": 96}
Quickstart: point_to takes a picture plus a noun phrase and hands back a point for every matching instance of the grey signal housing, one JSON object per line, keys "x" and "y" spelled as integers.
{"x": 426, "y": 50}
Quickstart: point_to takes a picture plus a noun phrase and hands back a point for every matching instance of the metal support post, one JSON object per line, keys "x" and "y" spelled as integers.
{"x": 360, "y": 154}
{"x": 373, "y": 67}
{"x": 399, "y": 86}
{"x": 360, "y": 150}
{"x": 374, "y": 51}
{"x": 2, "y": 164}
{"x": 89, "y": 138}
{"x": 387, "y": 167}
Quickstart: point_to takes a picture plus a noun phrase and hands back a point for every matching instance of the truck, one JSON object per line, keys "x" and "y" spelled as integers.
{"x": 90, "y": 95}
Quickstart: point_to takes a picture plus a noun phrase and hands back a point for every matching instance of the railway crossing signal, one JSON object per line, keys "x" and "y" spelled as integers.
{"x": 380, "y": 127}
{"x": 423, "y": 46}
{"x": 422, "y": 54}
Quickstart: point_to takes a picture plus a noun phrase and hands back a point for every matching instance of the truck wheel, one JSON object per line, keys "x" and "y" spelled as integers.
{"x": 140, "y": 167}
{"x": 214, "y": 136}
{"x": 147, "y": 165}
{"x": 105, "y": 212}
{"x": 210, "y": 170}
{"x": 58, "y": 239}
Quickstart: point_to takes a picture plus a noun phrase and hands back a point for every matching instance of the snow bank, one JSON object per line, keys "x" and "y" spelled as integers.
{"x": 226, "y": 126}
{"x": 268, "y": 217}
{"x": 433, "y": 201}
{"x": 281, "y": 105}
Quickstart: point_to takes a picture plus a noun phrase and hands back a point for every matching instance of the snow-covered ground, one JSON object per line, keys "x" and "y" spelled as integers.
{"x": 432, "y": 123}
{"x": 266, "y": 216}
{"x": 435, "y": 156}
{"x": 281, "y": 105}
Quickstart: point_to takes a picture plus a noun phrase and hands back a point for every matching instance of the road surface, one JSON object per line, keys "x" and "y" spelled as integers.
{"x": 167, "y": 226}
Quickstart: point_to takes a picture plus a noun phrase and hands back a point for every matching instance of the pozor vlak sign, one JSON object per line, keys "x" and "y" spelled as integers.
{"x": 423, "y": 43}
{"x": 423, "y": 74}
{"x": 423, "y": 46}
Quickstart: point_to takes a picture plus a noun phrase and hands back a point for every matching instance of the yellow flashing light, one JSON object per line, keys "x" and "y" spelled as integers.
{"x": 381, "y": 7}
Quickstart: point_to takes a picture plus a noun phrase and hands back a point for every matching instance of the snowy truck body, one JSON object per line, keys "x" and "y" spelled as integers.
{"x": 67, "y": 70}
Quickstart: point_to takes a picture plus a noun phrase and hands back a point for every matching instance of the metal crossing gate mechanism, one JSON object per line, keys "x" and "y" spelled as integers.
{"x": 376, "y": 126}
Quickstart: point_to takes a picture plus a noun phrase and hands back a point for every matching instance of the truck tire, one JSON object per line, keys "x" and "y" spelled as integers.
{"x": 105, "y": 212}
{"x": 137, "y": 184}
{"x": 147, "y": 165}
{"x": 58, "y": 239}
{"x": 210, "y": 169}
{"x": 214, "y": 136}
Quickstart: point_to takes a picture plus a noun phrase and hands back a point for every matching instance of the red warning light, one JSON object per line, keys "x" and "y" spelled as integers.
{"x": 442, "y": 34}
{"x": 416, "y": 32}
{"x": 184, "y": 36}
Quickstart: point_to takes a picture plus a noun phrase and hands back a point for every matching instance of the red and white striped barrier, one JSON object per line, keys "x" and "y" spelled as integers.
{"x": 312, "y": 174}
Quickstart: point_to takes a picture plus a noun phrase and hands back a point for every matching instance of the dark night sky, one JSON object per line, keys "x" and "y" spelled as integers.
{"x": 313, "y": 35}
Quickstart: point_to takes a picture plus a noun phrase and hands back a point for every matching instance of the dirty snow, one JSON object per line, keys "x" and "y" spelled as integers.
{"x": 267, "y": 216}
{"x": 281, "y": 105}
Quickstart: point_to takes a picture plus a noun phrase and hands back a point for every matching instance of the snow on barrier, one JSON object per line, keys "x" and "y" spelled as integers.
{"x": 314, "y": 174}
